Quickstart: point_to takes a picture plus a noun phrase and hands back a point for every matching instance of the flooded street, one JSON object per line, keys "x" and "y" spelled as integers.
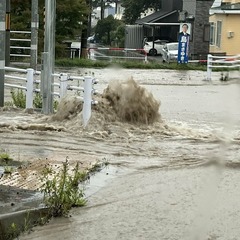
{"x": 177, "y": 178}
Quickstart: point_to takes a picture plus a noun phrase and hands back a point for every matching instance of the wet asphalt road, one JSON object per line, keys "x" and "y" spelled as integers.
{"x": 142, "y": 198}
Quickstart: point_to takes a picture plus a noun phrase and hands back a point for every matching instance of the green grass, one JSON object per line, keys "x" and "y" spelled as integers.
{"x": 87, "y": 63}
{"x": 76, "y": 62}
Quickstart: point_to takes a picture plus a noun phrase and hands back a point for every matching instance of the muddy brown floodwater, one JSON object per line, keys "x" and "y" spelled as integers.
{"x": 176, "y": 178}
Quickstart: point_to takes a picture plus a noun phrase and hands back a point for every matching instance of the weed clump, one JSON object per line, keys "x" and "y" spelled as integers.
{"x": 19, "y": 98}
{"x": 62, "y": 192}
{"x": 5, "y": 159}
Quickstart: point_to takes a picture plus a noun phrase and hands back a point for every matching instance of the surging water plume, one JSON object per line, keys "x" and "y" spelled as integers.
{"x": 68, "y": 108}
{"x": 131, "y": 102}
{"x": 121, "y": 101}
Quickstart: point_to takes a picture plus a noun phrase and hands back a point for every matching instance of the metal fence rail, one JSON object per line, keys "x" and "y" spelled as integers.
{"x": 30, "y": 83}
{"x": 226, "y": 62}
{"x": 117, "y": 53}
{"x": 19, "y": 40}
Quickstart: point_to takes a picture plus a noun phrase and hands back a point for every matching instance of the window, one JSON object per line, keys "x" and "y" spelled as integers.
{"x": 212, "y": 33}
{"x": 219, "y": 33}
{"x": 206, "y": 33}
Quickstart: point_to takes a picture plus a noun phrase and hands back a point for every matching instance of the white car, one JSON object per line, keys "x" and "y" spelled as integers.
{"x": 91, "y": 39}
{"x": 158, "y": 45}
{"x": 170, "y": 52}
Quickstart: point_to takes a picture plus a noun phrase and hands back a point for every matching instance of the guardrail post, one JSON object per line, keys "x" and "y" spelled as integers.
{"x": 63, "y": 84}
{"x": 209, "y": 67}
{"x": 89, "y": 52}
{"x": 145, "y": 58}
{"x": 29, "y": 93}
{"x": 87, "y": 99}
{"x": 91, "y": 55}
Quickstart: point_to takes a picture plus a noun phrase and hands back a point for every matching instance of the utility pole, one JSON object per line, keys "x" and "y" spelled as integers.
{"x": 102, "y": 9}
{"x": 116, "y": 6}
{"x": 2, "y": 49}
{"x": 48, "y": 56}
{"x": 34, "y": 34}
{"x": 7, "y": 43}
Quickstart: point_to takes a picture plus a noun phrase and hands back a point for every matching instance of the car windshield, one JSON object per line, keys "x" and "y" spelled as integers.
{"x": 173, "y": 46}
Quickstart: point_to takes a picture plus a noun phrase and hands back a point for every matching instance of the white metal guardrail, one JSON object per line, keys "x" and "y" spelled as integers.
{"x": 227, "y": 62}
{"x": 29, "y": 83}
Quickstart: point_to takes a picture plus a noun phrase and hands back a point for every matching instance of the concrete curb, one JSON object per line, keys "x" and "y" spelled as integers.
{"x": 22, "y": 220}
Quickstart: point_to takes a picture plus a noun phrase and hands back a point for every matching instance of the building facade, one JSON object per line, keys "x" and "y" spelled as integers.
{"x": 224, "y": 27}
{"x": 196, "y": 12}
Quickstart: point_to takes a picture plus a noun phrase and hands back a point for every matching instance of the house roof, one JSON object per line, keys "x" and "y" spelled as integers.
{"x": 226, "y": 9}
{"x": 155, "y": 16}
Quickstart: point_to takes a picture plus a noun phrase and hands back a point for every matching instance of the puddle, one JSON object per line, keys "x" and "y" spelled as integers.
{"x": 102, "y": 178}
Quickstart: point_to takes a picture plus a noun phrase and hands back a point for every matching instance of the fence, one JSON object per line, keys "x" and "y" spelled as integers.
{"x": 30, "y": 84}
{"x": 20, "y": 51}
{"x": 117, "y": 53}
{"x": 227, "y": 62}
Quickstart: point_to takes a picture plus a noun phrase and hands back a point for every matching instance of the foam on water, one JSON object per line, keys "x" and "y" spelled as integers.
{"x": 125, "y": 110}
{"x": 68, "y": 108}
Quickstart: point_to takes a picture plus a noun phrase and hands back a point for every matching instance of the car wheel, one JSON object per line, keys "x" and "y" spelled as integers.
{"x": 153, "y": 52}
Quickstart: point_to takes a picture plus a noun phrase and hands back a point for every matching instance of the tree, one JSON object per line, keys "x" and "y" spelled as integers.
{"x": 105, "y": 27}
{"x": 119, "y": 35}
{"x": 86, "y": 29}
{"x": 134, "y": 8}
{"x": 70, "y": 15}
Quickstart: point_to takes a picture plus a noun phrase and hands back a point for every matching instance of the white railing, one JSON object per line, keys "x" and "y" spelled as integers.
{"x": 18, "y": 40}
{"x": 227, "y": 62}
{"x": 28, "y": 82}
